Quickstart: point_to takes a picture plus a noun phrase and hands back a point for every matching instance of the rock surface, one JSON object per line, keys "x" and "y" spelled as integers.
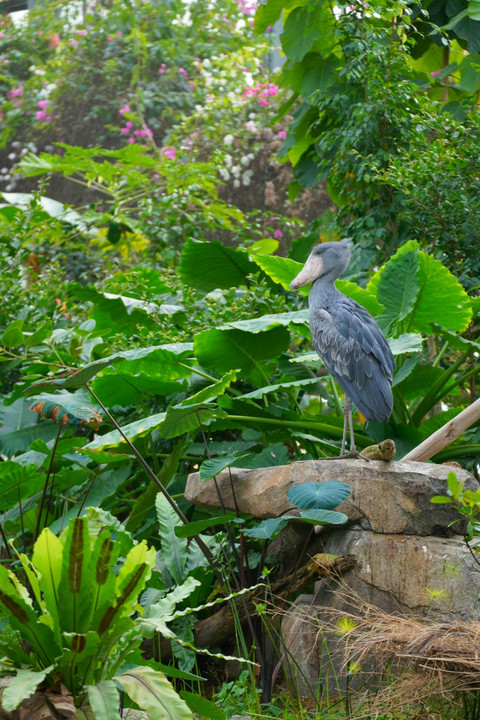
{"x": 387, "y": 497}
{"x": 408, "y": 559}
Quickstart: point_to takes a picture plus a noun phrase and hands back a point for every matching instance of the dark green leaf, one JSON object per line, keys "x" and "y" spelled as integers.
{"x": 181, "y": 419}
{"x": 201, "y": 706}
{"x": 322, "y": 517}
{"x": 210, "y": 265}
{"x": 214, "y": 466}
{"x": 194, "y": 528}
{"x": 267, "y": 529}
{"x": 13, "y": 336}
{"x": 222, "y": 350}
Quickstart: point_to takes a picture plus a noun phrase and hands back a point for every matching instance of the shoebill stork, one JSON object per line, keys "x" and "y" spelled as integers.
{"x": 347, "y": 338}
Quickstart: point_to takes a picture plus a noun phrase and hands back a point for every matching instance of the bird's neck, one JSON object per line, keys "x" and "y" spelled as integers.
{"x": 322, "y": 289}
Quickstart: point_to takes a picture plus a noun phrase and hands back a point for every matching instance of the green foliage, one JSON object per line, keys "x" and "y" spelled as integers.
{"x": 80, "y": 628}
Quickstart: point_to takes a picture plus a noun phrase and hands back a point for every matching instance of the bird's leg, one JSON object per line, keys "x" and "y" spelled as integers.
{"x": 353, "y": 452}
{"x": 346, "y": 407}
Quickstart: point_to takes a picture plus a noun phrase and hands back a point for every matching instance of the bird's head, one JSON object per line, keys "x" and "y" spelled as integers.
{"x": 326, "y": 258}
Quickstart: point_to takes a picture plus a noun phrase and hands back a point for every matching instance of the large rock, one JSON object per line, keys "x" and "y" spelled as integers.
{"x": 407, "y": 559}
{"x": 420, "y": 576}
{"x": 387, "y": 497}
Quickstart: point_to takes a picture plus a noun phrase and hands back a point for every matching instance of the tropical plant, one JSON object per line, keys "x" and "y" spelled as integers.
{"x": 71, "y": 625}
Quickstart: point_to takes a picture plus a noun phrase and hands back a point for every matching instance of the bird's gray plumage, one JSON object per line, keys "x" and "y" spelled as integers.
{"x": 346, "y": 337}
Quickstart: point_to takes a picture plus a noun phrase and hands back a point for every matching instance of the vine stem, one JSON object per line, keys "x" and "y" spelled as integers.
{"x": 203, "y": 547}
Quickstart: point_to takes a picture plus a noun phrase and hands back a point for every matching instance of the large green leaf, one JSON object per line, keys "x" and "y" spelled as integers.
{"x": 265, "y": 322}
{"x": 222, "y": 350}
{"x": 18, "y": 482}
{"x": 439, "y": 290}
{"x": 183, "y": 418}
{"x": 278, "y": 387}
{"x": 104, "y": 700}
{"x": 280, "y": 270}
{"x": 111, "y": 314}
{"x": 19, "y": 427}
{"x": 398, "y": 286}
{"x": 139, "y": 428}
{"x": 303, "y": 27}
{"x": 267, "y": 14}
{"x": 202, "y": 707}
{"x": 210, "y": 265}
{"x": 115, "y": 387}
{"x": 440, "y": 296}
{"x": 152, "y": 692}
{"x": 361, "y": 295}
{"x": 326, "y": 495}
{"x": 167, "y": 361}
{"x": 65, "y": 409}
{"x": 213, "y": 466}
{"x": 21, "y": 686}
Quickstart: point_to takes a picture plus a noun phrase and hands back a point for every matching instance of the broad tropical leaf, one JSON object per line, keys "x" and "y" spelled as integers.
{"x": 202, "y": 707}
{"x": 438, "y": 289}
{"x": 196, "y": 527}
{"x": 399, "y": 286}
{"x": 21, "y": 687}
{"x": 214, "y": 466}
{"x": 280, "y": 270}
{"x": 267, "y": 529}
{"x": 154, "y": 693}
{"x": 326, "y": 495}
{"x": 167, "y": 360}
{"x": 139, "y": 428}
{"x": 104, "y": 699}
{"x": 64, "y": 409}
{"x": 222, "y": 350}
{"x": 183, "y": 418}
{"x": 210, "y": 265}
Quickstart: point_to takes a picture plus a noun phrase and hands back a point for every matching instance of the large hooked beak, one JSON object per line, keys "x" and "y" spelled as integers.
{"x": 310, "y": 272}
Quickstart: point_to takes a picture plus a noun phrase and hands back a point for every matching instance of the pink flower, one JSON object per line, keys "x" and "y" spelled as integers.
{"x": 278, "y": 234}
{"x": 15, "y": 92}
{"x": 124, "y": 109}
{"x": 131, "y": 140}
{"x": 42, "y": 116}
{"x": 435, "y": 73}
{"x": 182, "y": 71}
{"x": 42, "y": 104}
{"x": 74, "y": 43}
{"x": 109, "y": 39}
{"x": 1, "y": 36}
{"x": 169, "y": 152}
{"x": 163, "y": 68}
{"x": 82, "y": 32}
{"x": 282, "y": 134}
{"x": 118, "y": 34}
{"x": 53, "y": 40}
{"x": 191, "y": 86}
{"x": 261, "y": 101}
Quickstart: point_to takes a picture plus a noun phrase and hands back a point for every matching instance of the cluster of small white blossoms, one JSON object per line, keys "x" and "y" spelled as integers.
{"x": 6, "y": 173}
{"x": 241, "y": 173}
{"x": 233, "y": 83}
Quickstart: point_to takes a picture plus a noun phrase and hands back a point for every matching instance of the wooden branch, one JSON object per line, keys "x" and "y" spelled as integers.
{"x": 220, "y": 627}
{"x": 446, "y": 434}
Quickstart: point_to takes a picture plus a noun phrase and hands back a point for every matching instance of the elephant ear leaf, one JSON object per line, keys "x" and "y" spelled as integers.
{"x": 65, "y": 409}
{"x": 313, "y": 495}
